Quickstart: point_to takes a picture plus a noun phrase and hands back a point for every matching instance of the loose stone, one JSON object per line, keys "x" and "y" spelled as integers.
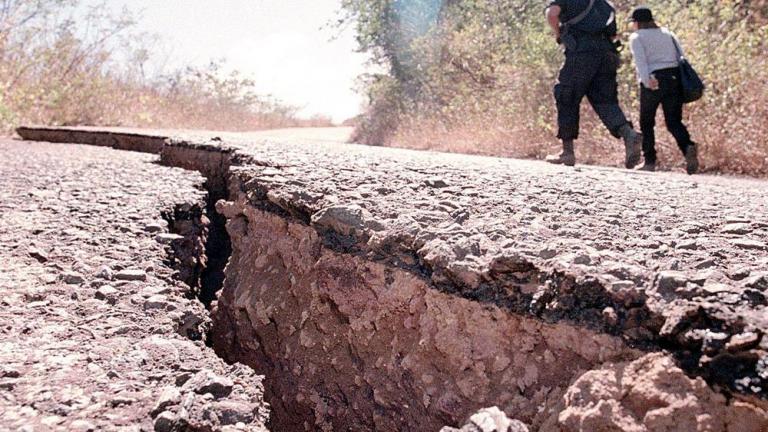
{"x": 154, "y": 228}
{"x": 206, "y": 381}
{"x": 72, "y": 278}
{"x": 165, "y": 422}
{"x": 749, "y": 244}
{"x": 167, "y": 238}
{"x": 737, "y": 228}
{"x": 131, "y": 275}
{"x": 157, "y": 301}
{"x": 168, "y": 397}
{"x": 743, "y": 341}
{"x": 105, "y": 272}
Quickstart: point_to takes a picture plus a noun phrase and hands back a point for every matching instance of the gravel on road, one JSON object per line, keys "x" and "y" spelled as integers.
{"x": 97, "y": 332}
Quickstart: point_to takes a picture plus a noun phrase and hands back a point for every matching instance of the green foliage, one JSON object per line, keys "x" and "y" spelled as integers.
{"x": 490, "y": 65}
{"x": 384, "y": 112}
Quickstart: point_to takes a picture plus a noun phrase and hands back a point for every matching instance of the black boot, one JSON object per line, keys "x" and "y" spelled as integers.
{"x": 567, "y": 157}
{"x": 647, "y": 166}
{"x": 691, "y": 159}
{"x": 633, "y": 143}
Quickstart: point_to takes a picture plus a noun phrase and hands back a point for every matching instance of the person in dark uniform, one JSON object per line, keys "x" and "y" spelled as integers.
{"x": 587, "y": 30}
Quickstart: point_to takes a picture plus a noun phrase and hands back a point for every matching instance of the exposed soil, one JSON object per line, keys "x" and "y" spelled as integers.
{"x": 359, "y": 345}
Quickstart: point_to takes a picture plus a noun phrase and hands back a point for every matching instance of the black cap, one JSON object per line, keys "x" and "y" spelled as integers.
{"x": 641, "y": 14}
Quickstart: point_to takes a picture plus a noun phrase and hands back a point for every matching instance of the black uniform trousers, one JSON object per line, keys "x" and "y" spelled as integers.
{"x": 589, "y": 70}
{"x": 670, "y": 97}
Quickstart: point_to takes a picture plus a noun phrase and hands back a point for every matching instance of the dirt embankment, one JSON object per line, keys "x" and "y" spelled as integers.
{"x": 361, "y": 345}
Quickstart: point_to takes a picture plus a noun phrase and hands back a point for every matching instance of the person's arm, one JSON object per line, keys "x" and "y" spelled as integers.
{"x": 553, "y": 18}
{"x": 641, "y": 62}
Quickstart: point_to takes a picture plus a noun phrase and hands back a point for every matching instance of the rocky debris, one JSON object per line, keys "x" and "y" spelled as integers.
{"x": 669, "y": 282}
{"x": 436, "y": 182}
{"x": 208, "y": 395}
{"x": 40, "y": 256}
{"x": 489, "y": 420}
{"x": 345, "y": 220}
{"x": 206, "y": 381}
{"x": 165, "y": 422}
{"x": 155, "y": 227}
{"x": 743, "y": 342}
{"x": 651, "y": 394}
{"x": 737, "y": 228}
{"x": 79, "y": 352}
{"x": 157, "y": 301}
{"x": 170, "y": 396}
{"x": 749, "y": 244}
{"x": 105, "y": 272}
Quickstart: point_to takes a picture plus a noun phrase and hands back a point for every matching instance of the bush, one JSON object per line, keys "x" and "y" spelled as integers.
{"x": 58, "y": 70}
{"x": 479, "y": 79}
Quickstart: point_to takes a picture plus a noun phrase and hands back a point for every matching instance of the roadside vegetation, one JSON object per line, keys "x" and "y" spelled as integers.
{"x": 65, "y": 63}
{"x": 476, "y": 76}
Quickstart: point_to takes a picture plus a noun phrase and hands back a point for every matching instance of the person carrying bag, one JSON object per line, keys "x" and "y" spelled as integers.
{"x": 666, "y": 79}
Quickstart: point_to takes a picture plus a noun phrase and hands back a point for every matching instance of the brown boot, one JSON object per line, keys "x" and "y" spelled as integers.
{"x": 567, "y": 157}
{"x": 692, "y": 159}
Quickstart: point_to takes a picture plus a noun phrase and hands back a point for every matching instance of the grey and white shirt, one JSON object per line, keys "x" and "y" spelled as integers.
{"x": 653, "y": 50}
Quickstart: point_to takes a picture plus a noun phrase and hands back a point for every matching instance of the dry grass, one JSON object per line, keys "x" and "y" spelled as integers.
{"x": 105, "y": 101}
{"x": 724, "y": 148}
{"x": 59, "y": 66}
{"x": 481, "y": 82}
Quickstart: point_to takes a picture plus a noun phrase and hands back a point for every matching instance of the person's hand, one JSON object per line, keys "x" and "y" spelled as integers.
{"x": 653, "y": 84}
{"x": 553, "y": 18}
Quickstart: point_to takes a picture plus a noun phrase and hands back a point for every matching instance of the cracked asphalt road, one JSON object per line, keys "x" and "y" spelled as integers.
{"x": 668, "y": 261}
{"x": 664, "y": 259}
{"x": 93, "y": 321}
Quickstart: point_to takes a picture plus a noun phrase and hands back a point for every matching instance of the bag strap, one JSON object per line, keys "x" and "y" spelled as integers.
{"x": 580, "y": 17}
{"x": 677, "y": 48}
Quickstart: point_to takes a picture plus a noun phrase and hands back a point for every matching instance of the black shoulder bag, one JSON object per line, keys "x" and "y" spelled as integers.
{"x": 693, "y": 86}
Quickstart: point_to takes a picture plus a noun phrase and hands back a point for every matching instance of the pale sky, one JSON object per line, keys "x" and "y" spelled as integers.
{"x": 282, "y": 44}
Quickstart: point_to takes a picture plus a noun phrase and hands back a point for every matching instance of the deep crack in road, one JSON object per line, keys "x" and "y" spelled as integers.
{"x": 618, "y": 263}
